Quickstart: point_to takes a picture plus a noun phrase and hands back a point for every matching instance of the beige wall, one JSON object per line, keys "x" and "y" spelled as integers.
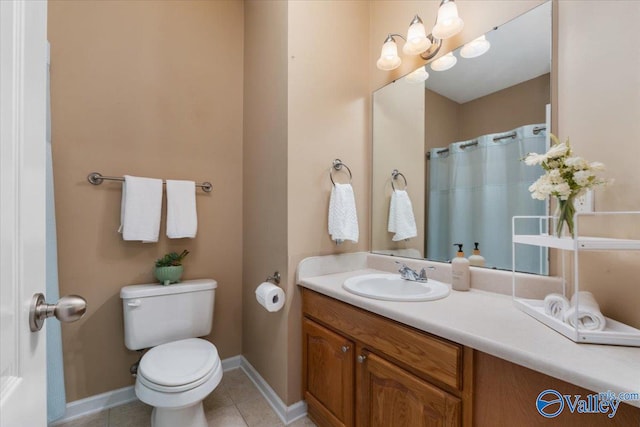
{"x": 153, "y": 89}
{"x": 441, "y": 120}
{"x": 398, "y": 143}
{"x": 600, "y": 114}
{"x": 507, "y": 109}
{"x": 329, "y": 117}
{"x": 264, "y": 334}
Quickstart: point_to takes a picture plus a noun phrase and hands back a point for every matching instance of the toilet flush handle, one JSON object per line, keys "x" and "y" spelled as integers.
{"x": 134, "y": 303}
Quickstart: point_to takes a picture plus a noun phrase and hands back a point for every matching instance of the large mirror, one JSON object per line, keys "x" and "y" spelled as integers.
{"x": 450, "y": 147}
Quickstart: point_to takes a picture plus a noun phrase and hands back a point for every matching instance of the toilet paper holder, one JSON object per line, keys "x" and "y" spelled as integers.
{"x": 275, "y": 279}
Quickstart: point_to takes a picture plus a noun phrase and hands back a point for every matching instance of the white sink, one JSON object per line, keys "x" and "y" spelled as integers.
{"x": 391, "y": 287}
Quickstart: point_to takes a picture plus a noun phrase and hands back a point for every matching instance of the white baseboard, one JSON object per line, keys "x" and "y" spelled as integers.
{"x": 287, "y": 414}
{"x": 97, "y": 403}
{"x": 110, "y": 399}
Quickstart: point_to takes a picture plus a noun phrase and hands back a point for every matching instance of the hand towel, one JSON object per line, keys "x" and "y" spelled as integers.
{"x": 589, "y": 315}
{"x": 182, "y": 217}
{"x": 343, "y": 220}
{"x": 401, "y": 219}
{"x": 556, "y": 305}
{"x": 140, "y": 209}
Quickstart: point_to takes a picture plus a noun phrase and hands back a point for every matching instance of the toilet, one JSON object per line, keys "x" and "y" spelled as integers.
{"x": 179, "y": 370}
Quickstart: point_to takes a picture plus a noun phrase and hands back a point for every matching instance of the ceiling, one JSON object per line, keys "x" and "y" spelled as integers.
{"x": 520, "y": 51}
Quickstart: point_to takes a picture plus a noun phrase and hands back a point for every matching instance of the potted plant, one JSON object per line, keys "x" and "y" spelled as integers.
{"x": 169, "y": 267}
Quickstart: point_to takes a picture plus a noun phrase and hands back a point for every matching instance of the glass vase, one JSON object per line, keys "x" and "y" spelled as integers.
{"x": 565, "y": 210}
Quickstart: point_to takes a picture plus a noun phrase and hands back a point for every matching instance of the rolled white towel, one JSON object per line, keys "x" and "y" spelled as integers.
{"x": 589, "y": 315}
{"x": 556, "y": 305}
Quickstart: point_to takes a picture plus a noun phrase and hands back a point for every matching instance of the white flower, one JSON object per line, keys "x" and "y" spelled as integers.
{"x": 576, "y": 163}
{"x": 583, "y": 177}
{"x": 555, "y": 177}
{"x": 563, "y": 191}
{"x": 565, "y": 176}
{"x": 533, "y": 159}
{"x": 558, "y": 150}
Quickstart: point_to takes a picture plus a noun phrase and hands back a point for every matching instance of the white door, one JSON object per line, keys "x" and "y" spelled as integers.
{"x": 23, "y": 27}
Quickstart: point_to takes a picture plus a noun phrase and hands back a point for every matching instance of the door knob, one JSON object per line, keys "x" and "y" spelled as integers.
{"x": 68, "y": 309}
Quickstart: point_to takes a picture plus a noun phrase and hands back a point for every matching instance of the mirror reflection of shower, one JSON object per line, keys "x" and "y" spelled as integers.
{"x": 504, "y": 90}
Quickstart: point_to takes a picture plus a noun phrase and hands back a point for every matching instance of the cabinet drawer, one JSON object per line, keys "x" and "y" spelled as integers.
{"x": 430, "y": 356}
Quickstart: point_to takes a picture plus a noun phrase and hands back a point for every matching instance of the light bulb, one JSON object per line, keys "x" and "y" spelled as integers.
{"x": 417, "y": 76}
{"x": 475, "y": 47}
{"x": 444, "y": 62}
{"x": 448, "y": 23}
{"x": 417, "y": 41}
{"x": 389, "y": 58}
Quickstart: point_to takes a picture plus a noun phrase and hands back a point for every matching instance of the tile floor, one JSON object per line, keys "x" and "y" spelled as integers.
{"x": 236, "y": 402}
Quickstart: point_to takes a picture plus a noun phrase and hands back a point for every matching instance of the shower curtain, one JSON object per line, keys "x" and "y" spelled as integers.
{"x": 475, "y": 188}
{"x": 56, "y": 401}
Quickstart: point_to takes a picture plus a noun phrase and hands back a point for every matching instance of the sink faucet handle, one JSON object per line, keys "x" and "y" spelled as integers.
{"x": 423, "y": 274}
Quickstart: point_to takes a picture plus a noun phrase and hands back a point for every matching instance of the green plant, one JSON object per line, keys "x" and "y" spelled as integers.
{"x": 171, "y": 259}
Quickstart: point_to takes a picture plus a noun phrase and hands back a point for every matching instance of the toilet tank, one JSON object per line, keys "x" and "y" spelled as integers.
{"x": 156, "y": 314}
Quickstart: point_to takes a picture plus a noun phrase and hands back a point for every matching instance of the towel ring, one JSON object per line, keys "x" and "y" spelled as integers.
{"x": 394, "y": 175}
{"x": 337, "y": 165}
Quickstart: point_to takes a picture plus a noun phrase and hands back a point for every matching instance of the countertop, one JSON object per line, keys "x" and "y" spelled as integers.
{"x": 490, "y": 322}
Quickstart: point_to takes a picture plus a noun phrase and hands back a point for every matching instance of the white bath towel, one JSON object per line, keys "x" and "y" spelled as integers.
{"x": 140, "y": 209}
{"x": 343, "y": 219}
{"x": 589, "y": 315}
{"x": 401, "y": 219}
{"x": 556, "y": 305}
{"x": 182, "y": 217}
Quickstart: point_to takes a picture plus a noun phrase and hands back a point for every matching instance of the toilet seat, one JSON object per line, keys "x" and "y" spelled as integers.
{"x": 179, "y": 366}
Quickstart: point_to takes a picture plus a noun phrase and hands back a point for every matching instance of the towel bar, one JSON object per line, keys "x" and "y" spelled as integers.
{"x": 337, "y": 165}
{"x": 394, "y": 175}
{"x": 96, "y": 178}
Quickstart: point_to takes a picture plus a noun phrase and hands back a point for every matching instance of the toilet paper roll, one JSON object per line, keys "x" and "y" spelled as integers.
{"x": 270, "y": 296}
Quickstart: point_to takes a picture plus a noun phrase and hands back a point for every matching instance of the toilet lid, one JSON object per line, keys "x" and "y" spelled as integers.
{"x": 179, "y": 362}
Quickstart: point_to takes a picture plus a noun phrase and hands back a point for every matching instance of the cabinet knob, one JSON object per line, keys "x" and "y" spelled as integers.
{"x": 344, "y": 348}
{"x": 361, "y": 358}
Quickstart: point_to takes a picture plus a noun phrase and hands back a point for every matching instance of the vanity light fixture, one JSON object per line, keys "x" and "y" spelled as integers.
{"x": 475, "y": 48}
{"x": 417, "y": 76}
{"x": 444, "y": 62}
{"x": 417, "y": 42}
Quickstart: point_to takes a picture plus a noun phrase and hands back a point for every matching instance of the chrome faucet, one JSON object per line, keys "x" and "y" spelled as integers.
{"x": 407, "y": 273}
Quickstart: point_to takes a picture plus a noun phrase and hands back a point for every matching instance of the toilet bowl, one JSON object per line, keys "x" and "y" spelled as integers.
{"x": 179, "y": 370}
{"x": 174, "y": 378}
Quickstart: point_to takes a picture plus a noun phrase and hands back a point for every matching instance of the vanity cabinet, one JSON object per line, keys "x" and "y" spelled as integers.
{"x": 361, "y": 369}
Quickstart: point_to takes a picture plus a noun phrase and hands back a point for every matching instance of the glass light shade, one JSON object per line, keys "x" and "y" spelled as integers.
{"x": 444, "y": 62}
{"x": 448, "y": 23}
{"x": 475, "y": 47}
{"x": 417, "y": 76}
{"x": 389, "y": 58}
{"x": 417, "y": 41}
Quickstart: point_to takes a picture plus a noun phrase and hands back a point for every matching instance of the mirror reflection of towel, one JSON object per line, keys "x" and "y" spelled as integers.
{"x": 401, "y": 219}
{"x": 343, "y": 220}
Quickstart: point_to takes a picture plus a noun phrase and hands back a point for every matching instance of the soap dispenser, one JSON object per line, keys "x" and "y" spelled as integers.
{"x": 460, "y": 271}
{"x": 476, "y": 259}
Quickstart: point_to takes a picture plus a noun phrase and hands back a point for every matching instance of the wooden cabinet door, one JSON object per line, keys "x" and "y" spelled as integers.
{"x": 328, "y": 376}
{"x": 390, "y": 396}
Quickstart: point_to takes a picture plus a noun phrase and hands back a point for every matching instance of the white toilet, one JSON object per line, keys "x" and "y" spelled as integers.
{"x": 180, "y": 370}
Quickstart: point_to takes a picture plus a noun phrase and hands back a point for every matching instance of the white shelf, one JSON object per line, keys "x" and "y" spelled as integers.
{"x": 615, "y": 333}
{"x": 579, "y": 243}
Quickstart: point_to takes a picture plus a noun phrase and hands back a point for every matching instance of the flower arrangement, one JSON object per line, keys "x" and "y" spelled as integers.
{"x": 566, "y": 177}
